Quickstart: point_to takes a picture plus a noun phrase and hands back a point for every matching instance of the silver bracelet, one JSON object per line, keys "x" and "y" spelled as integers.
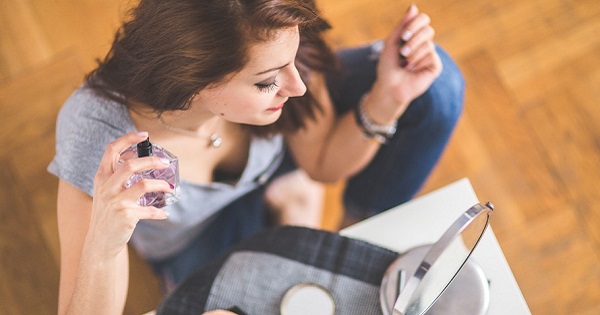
{"x": 371, "y": 129}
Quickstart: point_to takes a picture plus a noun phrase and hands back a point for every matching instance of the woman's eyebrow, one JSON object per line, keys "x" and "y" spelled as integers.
{"x": 273, "y": 69}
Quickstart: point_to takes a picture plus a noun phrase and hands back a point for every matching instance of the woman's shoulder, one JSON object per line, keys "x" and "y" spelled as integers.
{"x": 85, "y": 103}
{"x": 87, "y": 112}
{"x": 85, "y": 125}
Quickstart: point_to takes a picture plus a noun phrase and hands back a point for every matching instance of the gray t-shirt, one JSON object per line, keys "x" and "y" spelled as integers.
{"x": 87, "y": 123}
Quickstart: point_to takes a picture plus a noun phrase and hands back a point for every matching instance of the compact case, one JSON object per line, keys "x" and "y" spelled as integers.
{"x": 294, "y": 270}
{"x": 440, "y": 279}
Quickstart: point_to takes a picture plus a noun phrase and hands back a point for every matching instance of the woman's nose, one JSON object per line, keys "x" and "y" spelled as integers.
{"x": 294, "y": 86}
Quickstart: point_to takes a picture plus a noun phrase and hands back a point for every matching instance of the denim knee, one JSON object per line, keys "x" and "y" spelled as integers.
{"x": 400, "y": 167}
{"x": 442, "y": 104}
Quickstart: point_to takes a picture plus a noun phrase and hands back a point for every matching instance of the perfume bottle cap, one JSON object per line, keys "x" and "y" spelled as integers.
{"x": 144, "y": 148}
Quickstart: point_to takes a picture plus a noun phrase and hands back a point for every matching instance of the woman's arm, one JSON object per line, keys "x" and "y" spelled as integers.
{"x": 333, "y": 148}
{"x": 330, "y": 147}
{"x": 80, "y": 284}
{"x": 94, "y": 232}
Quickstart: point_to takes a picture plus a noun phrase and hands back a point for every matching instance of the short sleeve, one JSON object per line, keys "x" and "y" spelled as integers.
{"x": 86, "y": 124}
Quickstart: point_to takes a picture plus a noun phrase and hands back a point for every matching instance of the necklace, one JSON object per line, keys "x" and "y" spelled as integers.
{"x": 215, "y": 140}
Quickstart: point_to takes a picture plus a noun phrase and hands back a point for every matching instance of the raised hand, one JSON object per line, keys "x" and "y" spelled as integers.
{"x": 115, "y": 211}
{"x": 408, "y": 65}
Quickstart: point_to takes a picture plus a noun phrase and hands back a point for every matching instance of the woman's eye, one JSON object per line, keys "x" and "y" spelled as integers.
{"x": 267, "y": 87}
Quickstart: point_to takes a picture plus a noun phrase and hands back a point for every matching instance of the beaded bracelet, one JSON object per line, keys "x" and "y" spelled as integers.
{"x": 371, "y": 129}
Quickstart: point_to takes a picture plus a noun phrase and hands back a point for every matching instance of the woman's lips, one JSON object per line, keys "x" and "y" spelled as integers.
{"x": 276, "y": 108}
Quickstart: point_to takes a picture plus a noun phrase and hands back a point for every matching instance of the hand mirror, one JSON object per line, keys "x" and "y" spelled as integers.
{"x": 417, "y": 279}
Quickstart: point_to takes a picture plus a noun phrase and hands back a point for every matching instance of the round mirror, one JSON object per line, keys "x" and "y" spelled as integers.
{"x": 418, "y": 286}
{"x": 307, "y": 298}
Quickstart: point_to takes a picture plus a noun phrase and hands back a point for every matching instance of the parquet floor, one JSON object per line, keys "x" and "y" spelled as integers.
{"x": 529, "y": 139}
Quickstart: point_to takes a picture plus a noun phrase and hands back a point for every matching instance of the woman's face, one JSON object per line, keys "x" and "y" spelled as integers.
{"x": 257, "y": 93}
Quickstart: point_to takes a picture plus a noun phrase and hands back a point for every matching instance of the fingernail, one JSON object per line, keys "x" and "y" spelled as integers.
{"x": 407, "y": 35}
{"x": 171, "y": 186}
{"x": 411, "y": 7}
{"x": 143, "y": 134}
{"x": 405, "y": 50}
{"x": 166, "y": 214}
{"x": 164, "y": 161}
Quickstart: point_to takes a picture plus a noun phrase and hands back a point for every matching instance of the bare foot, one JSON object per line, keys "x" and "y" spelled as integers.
{"x": 296, "y": 199}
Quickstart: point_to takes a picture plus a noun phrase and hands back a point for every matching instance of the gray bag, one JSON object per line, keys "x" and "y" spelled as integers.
{"x": 266, "y": 273}
{"x": 254, "y": 277}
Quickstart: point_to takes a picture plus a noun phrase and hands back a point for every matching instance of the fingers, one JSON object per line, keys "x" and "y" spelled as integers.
{"x": 124, "y": 206}
{"x": 114, "y": 149}
{"x": 418, "y": 47}
{"x": 395, "y": 36}
{"x": 416, "y": 41}
{"x": 112, "y": 177}
{"x": 133, "y": 166}
{"x": 416, "y": 33}
{"x": 146, "y": 186}
{"x": 405, "y": 31}
{"x": 116, "y": 183}
{"x": 150, "y": 213}
{"x": 400, "y": 29}
{"x": 126, "y": 217}
{"x": 414, "y": 25}
{"x": 429, "y": 62}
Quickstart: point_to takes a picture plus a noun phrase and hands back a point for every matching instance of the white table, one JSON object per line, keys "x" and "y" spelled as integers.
{"x": 423, "y": 221}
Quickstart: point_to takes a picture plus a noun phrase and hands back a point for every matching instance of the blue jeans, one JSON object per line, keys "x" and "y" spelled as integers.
{"x": 395, "y": 175}
{"x": 400, "y": 167}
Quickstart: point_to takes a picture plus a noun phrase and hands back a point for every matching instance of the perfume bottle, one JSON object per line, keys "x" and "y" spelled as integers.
{"x": 170, "y": 174}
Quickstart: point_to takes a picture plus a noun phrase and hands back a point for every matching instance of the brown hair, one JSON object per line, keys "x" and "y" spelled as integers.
{"x": 170, "y": 49}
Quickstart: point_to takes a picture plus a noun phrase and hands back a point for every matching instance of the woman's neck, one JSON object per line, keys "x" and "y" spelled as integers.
{"x": 188, "y": 122}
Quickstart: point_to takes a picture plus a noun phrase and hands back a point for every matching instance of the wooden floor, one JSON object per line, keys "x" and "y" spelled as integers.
{"x": 529, "y": 139}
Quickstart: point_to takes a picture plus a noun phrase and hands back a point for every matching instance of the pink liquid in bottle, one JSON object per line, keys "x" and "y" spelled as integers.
{"x": 170, "y": 174}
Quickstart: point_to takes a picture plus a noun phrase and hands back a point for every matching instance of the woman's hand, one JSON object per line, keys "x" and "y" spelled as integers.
{"x": 115, "y": 211}
{"x": 408, "y": 65}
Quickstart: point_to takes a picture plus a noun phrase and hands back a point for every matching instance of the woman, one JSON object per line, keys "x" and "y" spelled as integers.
{"x": 260, "y": 76}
